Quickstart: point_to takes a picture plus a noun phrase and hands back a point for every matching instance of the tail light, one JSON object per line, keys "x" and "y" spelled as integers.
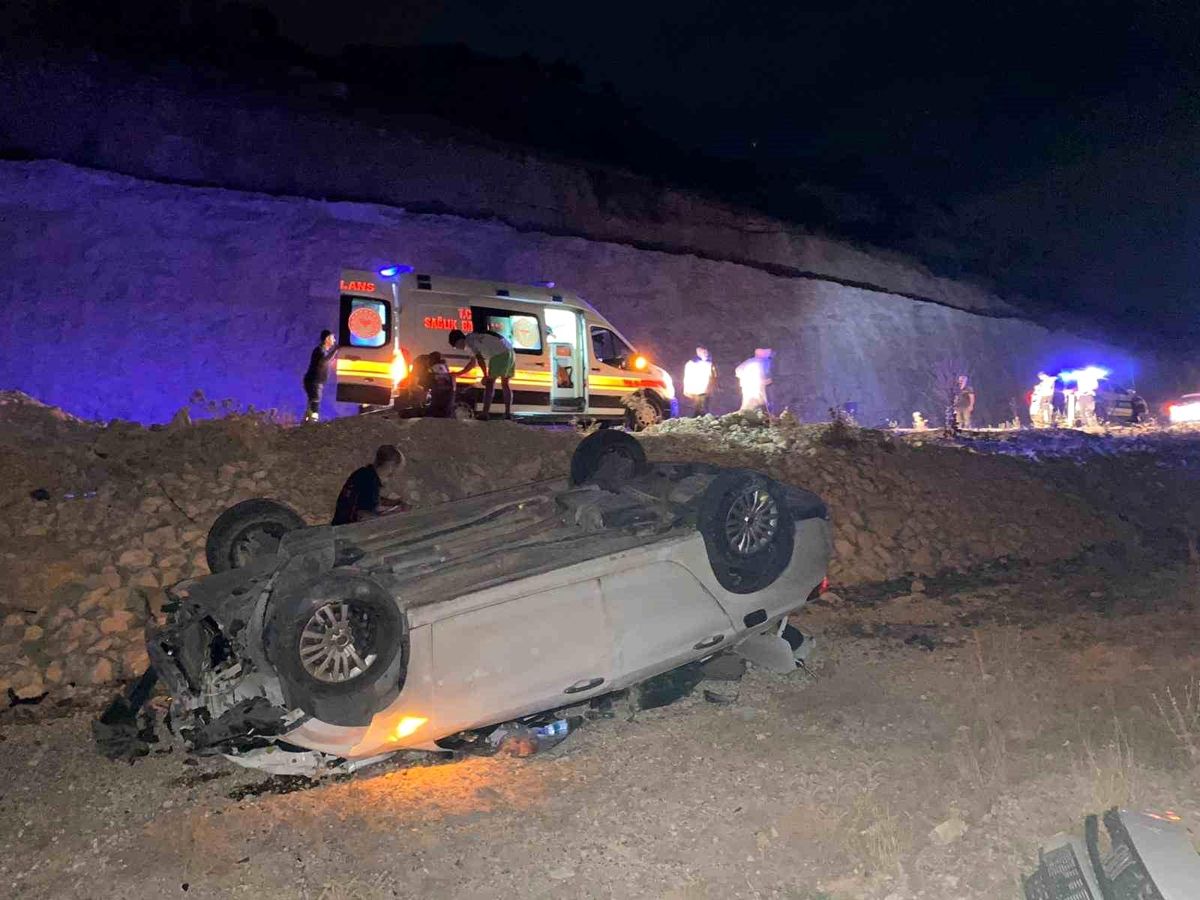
{"x": 399, "y": 367}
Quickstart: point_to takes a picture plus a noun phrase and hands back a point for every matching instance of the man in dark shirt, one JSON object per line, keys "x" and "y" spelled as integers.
{"x": 361, "y": 494}
{"x": 317, "y": 374}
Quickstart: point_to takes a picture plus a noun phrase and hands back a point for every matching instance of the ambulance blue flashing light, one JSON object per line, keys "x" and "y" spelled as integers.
{"x": 391, "y": 271}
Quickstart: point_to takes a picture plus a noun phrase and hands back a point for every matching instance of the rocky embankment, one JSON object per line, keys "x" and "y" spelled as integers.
{"x": 97, "y": 520}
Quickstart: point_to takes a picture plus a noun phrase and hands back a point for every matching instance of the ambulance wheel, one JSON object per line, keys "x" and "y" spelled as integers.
{"x": 248, "y": 531}
{"x": 748, "y": 531}
{"x": 641, "y": 412}
{"x": 607, "y": 458}
{"x": 463, "y": 411}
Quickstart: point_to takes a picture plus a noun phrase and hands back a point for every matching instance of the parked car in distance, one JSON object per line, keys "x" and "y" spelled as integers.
{"x": 406, "y": 631}
{"x": 1118, "y": 405}
{"x": 1185, "y": 410}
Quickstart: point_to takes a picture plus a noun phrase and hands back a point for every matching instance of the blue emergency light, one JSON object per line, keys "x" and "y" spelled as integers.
{"x": 390, "y": 271}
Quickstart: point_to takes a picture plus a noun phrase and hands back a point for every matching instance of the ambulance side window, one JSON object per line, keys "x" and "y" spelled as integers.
{"x": 523, "y": 330}
{"x": 608, "y": 348}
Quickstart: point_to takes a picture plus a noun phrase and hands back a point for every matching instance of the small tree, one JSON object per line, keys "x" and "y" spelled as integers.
{"x": 942, "y": 389}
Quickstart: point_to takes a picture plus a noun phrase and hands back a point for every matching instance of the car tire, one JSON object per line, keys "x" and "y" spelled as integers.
{"x": 247, "y": 531}
{"x": 607, "y": 458}
{"x": 339, "y": 646}
{"x": 748, "y": 530}
{"x": 642, "y": 411}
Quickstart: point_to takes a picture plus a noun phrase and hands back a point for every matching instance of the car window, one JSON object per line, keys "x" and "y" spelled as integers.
{"x": 608, "y": 348}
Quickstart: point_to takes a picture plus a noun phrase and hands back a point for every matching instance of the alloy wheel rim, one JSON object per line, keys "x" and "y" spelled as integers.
{"x": 329, "y": 643}
{"x": 752, "y": 522}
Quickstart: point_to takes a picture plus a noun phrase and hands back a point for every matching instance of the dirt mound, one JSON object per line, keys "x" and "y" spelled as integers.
{"x": 96, "y": 520}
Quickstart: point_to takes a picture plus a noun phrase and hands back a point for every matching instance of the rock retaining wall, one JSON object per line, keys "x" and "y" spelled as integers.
{"x": 121, "y": 298}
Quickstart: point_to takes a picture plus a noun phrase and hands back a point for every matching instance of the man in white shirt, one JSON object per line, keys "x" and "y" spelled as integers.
{"x": 754, "y": 377}
{"x": 1041, "y": 401}
{"x": 495, "y": 357}
{"x": 699, "y": 380}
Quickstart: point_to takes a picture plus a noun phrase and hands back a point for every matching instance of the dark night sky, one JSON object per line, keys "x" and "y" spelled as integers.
{"x": 902, "y": 85}
{"x": 1050, "y": 146}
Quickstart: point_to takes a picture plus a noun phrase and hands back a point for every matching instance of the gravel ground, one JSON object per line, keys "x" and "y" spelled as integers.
{"x": 1006, "y": 702}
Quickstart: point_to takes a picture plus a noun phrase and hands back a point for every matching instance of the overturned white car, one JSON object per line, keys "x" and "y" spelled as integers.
{"x": 412, "y": 630}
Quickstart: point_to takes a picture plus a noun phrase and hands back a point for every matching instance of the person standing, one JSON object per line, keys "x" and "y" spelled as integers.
{"x": 317, "y": 374}
{"x": 361, "y": 496}
{"x": 1041, "y": 401}
{"x": 699, "y": 380}
{"x": 964, "y": 402}
{"x": 754, "y": 378}
{"x": 495, "y": 356}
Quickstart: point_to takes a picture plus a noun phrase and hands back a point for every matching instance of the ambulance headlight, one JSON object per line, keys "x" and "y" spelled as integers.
{"x": 639, "y": 362}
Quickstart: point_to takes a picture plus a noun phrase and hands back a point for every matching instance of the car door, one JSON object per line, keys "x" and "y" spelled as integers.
{"x": 568, "y": 359}
{"x": 523, "y": 654}
{"x": 662, "y": 617}
{"x": 608, "y": 382}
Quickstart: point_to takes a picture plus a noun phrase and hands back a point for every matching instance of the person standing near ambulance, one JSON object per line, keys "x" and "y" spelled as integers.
{"x": 1041, "y": 401}
{"x": 754, "y": 377}
{"x": 495, "y": 356}
{"x": 317, "y": 374}
{"x": 699, "y": 380}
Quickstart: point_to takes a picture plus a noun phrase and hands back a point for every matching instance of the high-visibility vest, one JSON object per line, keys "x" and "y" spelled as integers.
{"x": 697, "y": 377}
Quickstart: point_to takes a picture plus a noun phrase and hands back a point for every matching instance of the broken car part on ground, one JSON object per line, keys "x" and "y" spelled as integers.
{"x": 407, "y": 631}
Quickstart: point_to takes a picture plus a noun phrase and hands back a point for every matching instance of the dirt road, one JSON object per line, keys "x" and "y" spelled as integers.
{"x": 1007, "y": 703}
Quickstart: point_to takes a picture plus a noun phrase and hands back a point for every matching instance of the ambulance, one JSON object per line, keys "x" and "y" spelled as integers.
{"x": 571, "y": 362}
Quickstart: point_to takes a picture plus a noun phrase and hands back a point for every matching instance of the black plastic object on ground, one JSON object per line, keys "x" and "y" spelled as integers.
{"x": 125, "y": 730}
{"x": 247, "y": 531}
{"x": 607, "y": 458}
{"x": 1151, "y": 857}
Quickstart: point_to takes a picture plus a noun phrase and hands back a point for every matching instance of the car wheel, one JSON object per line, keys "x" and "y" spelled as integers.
{"x": 339, "y": 646}
{"x": 641, "y": 412}
{"x": 607, "y": 458}
{"x": 748, "y": 531}
{"x": 248, "y": 531}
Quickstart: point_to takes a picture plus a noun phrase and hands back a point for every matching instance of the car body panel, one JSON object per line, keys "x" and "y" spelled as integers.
{"x": 662, "y": 615}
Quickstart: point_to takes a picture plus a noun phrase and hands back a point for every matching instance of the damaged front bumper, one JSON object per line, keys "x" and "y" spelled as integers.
{"x": 225, "y": 699}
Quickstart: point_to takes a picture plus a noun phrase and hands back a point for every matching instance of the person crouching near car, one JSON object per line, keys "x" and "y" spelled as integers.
{"x": 495, "y": 357}
{"x": 362, "y": 494}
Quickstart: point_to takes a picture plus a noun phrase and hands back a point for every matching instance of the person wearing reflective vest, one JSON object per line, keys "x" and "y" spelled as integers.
{"x": 754, "y": 378}
{"x": 699, "y": 380}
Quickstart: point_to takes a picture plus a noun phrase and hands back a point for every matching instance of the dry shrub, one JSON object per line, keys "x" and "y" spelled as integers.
{"x": 376, "y": 888}
{"x": 999, "y": 704}
{"x": 874, "y": 835}
{"x": 1109, "y": 775}
{"x": 1180, "y": 712}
